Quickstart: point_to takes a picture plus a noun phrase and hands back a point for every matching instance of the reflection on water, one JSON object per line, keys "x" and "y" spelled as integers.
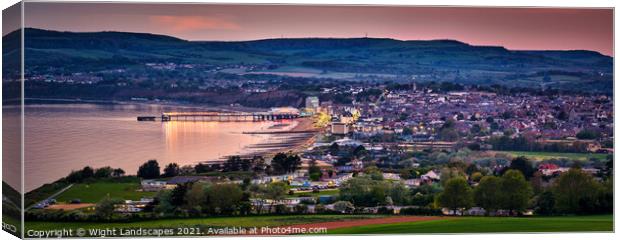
{"x": 11, "y": 147}
{"x": 61, "y": 138}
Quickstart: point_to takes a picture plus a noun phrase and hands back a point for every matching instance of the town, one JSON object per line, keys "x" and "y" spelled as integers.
{"x": 402, "y": 149}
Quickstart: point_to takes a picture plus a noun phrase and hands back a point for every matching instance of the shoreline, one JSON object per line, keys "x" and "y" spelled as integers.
{"x": 296, "y": 139}
{"x": 34, "y": 101}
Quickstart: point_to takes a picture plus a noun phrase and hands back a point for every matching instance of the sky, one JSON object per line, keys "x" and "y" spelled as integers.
{"x": 513, "y": 28}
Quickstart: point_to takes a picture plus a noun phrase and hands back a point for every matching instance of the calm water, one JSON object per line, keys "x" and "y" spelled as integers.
{"x": 64, "y": 137}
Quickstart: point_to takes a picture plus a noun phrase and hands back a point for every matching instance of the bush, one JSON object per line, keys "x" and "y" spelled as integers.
{"x": 588, "y": 134}
{"x": 385, "y": 210}
{"x": 281, "y": 209}
{"x": 301, "y": 209}
{"x": 344, "y": 207}
{"x": 425, "y": 211}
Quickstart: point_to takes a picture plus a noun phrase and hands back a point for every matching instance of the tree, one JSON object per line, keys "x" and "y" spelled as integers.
{"x": 374, "y": 172}
{"x": 171, "y": 170}
{"x": 574, "y": 188}
{"x": 195, "y": 197}
{"x": 488, "y": 193}
{"x": 74, "y": 176}
{"x": 232, "y": 164}
{"x": 523, "y": 165}
{"x": 105, "y": 208}
{"x": 364, "y": 191}
{"x": 448, "y": 134}
{"x": 87, "y": 172}
{"x": 283, "y": 163}
{"x": 224, "y": 198}
{"x": 293, "y": 162}
{"x": 344, "y": 207}
{"x": 588, "y": 134}
{"x": 516, "y": 191}
{"x": 245, "y": 206}
{"x": 456, "y": 195}
{"x": 537, "y": 183}
{"x": 246, "y": 164}
{"x": 104, "y": 172}
{"x": 450, "y": 173}
{"x": 314, "y": 171}
{"x": 118, "y": 172}
{"x": 278, "y": 163}
{"x": 177, "y": 196}
{"x": 316, "y": 176}
{"x": 149, "y": 170}
{"x": 334, "y": 149}
{"x": 201, "y": 168}
{"x": 545, "y": 203}
{"x": 359, "y": 151}
{"x": 259, "y": 165}
{"x": 275, "y": 191}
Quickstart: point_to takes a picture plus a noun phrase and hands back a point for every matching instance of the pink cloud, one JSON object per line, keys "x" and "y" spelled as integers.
{"x": 189, "y": 23}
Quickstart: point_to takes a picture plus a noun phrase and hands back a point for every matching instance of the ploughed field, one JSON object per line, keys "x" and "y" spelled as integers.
{"x": 366, "y": 224}
{"x": 489, "y": 225}
{"x": 556, "y": 155}
{"x": 203, "y": 223}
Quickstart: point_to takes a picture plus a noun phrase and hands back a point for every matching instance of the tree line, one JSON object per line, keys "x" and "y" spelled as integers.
{"x": 281, "y": 163}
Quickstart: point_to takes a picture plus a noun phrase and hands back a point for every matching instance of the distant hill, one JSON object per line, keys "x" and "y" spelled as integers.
{"x": 449, "y": 59}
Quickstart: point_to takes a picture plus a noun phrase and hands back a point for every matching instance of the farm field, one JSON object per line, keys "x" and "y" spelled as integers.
{"x": 555, "y": 155}
{"x": 405, "y": 224}
{"x": 489, "y": 224}
{"x": 249, "y": 221}
{"x": 94, "y": 192}
{"x": 316, "y": 194}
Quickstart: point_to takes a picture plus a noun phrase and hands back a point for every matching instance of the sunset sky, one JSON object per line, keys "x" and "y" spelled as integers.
{"x": 513, "y": 28}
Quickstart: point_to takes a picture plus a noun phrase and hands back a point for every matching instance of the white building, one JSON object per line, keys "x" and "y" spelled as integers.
{"x": 312, "y": 102}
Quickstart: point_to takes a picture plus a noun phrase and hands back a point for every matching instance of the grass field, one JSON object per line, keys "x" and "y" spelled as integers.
{"x": 555, "y": 155}
{"x": 321, "y": 193}
{"x": 490, "y": 224}
{"x": 93, "y": 192}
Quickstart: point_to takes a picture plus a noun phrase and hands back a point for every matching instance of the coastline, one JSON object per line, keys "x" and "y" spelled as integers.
{"x": 294, "y": 139}
{"x": 28, "y": 101}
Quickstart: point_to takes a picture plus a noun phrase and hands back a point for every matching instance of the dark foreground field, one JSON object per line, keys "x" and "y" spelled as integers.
{"x": 334, "y": 225}
{"x": 489, "y": 225}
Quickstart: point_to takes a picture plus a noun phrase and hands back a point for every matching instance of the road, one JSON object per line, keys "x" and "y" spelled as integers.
{"x": 53, "y": 196}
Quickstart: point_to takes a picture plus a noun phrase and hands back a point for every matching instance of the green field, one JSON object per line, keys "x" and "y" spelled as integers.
{"x": 556, "y": 155}
{"x": 490, "y": 224}
{"x": 93, "y": 192}
{"x": 315, "y": 194}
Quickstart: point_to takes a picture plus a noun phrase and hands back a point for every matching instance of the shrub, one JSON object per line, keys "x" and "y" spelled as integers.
{"x": 344, "y": 207}
{"x": 385, "y": 210}
{"x": 425, "y": 211}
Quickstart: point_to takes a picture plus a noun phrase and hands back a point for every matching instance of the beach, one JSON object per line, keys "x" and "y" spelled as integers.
{"x": 292, "y": 136}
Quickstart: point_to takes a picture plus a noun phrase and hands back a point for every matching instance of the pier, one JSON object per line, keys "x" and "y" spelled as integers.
{"x": 220, "y": 116}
